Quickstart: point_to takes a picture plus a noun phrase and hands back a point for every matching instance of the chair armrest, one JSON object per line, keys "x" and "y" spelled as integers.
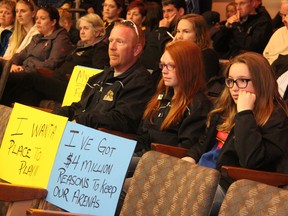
{"x": 13, "y": 193}
{"x": 170, "y": 150}
{"x": 40, "y": 212}
{"x": 45, "y": 71}
{"x": 118, "y": 133}
{"x": 270, "y": 178}
{"x": 43, "y": 109}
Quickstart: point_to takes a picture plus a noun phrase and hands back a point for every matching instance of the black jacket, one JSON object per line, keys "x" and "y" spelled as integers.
{"x": 115, "y": 103}
{"x": 154, "y": 47}
{"x": 249, "y": 145}
{"x": 95, "y": 56}
{"x": 183, "y": 134}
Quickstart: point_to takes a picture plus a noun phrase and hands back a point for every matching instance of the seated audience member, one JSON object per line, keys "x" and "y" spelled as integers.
{"x": 46, "y": 50}
{"x": 230, "y": 10}
{"x": 276, "y": 52}
{"x": 213, "y": 21}
{"x": 176, "y": 114}
{"x": 247, "y": 30}
{"x": 249, "y": 125}
{"x": 66, "y": 22}
{"x": 277, "y": 22}
{"x": 55, "y": 3}
{"x": 261, "y": 9}
{"x": 136, "y": 11}
{"x": 112, "y": 10}
{"x": 116, "y": 98}
{"x": 7, "y": 13}
{"x": 91, "y": 51}
{"x": 193, "y": 27}
{"x": 278, "y": 43}
{"x": 92, "y": 6}
{"x": 156, "y": 41}
{"x": 24, "y": 29}
{"x": 153, "y": 16}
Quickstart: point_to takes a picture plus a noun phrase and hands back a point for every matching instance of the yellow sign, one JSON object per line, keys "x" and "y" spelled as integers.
{"x": 77, "y": 83}
{"x": 29, "y": 146}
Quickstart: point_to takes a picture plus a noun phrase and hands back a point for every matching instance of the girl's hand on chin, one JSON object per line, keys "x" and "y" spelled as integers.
{"x": 246, "y": 101}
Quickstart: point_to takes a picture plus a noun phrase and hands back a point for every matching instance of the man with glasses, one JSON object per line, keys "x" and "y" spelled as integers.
{"x": 247, "y": 30}
{"x": 116, "y": 98}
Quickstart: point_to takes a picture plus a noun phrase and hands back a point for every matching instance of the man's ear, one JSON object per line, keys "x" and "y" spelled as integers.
{"x": 181, "y": 11}
{"x": 54, "y": 22}
{"x": 143, "y": 19}
{"x": 138, "y": 49}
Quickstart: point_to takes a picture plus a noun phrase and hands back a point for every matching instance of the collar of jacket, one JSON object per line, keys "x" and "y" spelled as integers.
{"x": 39, "y": 37}
{"x": 81, "y": 44}
{"x": 166, "y": 97}
{"x": 125, "y": 74}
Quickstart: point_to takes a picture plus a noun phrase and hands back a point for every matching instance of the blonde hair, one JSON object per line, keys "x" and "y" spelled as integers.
{"x": 19, "y": 32}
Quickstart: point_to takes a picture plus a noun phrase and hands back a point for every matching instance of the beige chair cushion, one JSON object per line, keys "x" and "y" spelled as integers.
{"x": 166, "y": 185}
{"x": 246, "y": 197}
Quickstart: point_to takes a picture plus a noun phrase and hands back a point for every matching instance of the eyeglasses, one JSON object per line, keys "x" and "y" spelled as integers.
{"x": 240, "y": 83}
{"x": 131, "y": 24}
{"x": 169, "y": 67}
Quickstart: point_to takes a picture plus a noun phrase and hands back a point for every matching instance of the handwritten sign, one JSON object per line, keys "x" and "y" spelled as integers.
{"x": 89, "y": 170}
{"x": 29, "y": 146}
{"x": 77, "y": 83}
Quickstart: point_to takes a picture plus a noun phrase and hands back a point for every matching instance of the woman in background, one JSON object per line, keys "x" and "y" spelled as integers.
{"x": 7, "y": 18}
{"x": 193, "y": 27}
{"x": 136, "y": 11}
{"x": 24, "y": 28}
{"x": 46, "y": 50}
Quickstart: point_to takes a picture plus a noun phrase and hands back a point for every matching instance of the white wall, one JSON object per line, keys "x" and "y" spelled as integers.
{"x": 272, "y": 6}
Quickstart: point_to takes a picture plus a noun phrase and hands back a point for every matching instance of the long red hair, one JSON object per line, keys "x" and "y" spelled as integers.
{"x": 189, "y": 68}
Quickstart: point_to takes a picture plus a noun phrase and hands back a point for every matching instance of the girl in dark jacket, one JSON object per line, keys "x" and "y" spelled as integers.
{"x": 249, "y": 125}
{"x": 176, "y": 114}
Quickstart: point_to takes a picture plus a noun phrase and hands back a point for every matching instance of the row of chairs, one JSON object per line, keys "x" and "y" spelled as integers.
{"x": 163, "y": 184}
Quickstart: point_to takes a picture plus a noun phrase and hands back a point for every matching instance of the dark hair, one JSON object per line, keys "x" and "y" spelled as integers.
{"x": 138, "y": 4}
{"x": 153, "y": 16}
{"x": 53, "y": 14}
{"x": 177, "y": 4}
{"x": 119, "y": 3}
